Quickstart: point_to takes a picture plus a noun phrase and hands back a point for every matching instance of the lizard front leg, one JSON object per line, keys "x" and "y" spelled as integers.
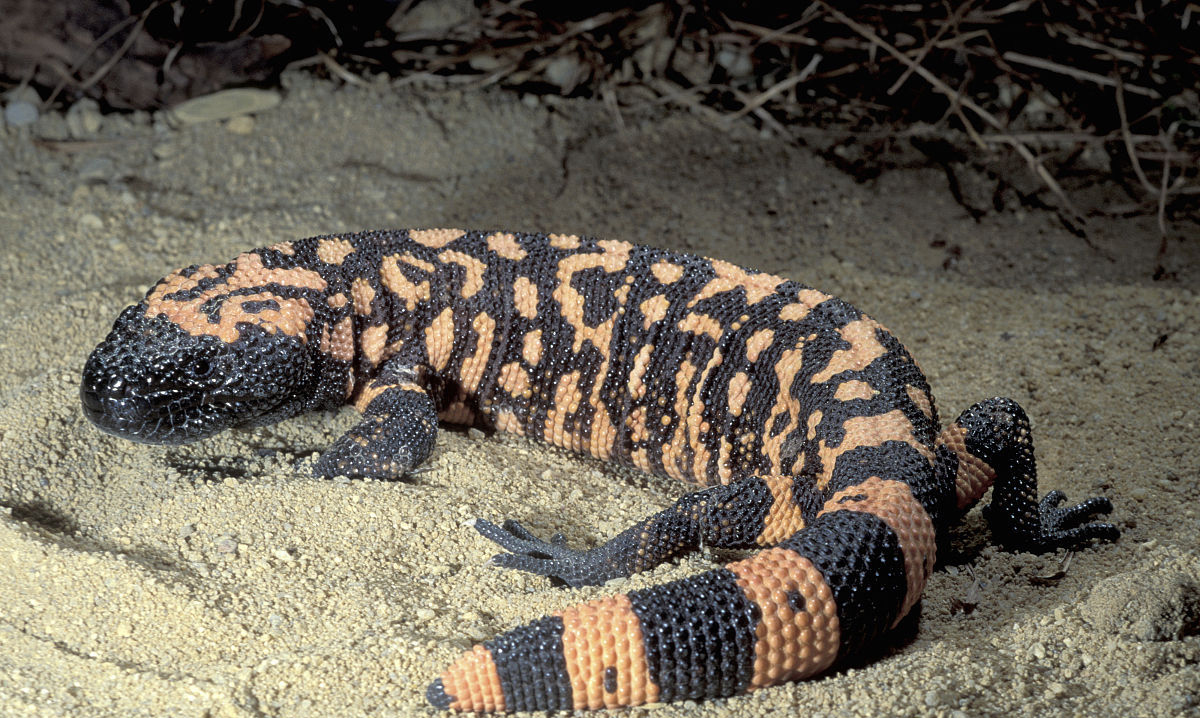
{"x": 993, "y": 446}
{"x": 397, "y": 431}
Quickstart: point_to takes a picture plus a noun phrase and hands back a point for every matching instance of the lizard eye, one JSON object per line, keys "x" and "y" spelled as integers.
{"x": 201, "y": 368}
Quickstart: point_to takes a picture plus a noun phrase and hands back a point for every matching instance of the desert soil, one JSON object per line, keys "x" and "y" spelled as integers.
{"x": 220, "y": 579}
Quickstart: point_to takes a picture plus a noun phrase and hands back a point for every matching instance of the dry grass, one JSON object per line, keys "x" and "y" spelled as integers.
{"x": 1042, "y": 99}
{"x": 1079, "y": 91}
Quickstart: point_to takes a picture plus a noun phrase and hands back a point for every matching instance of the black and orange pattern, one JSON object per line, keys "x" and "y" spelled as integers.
{"x": 811, "y": 427}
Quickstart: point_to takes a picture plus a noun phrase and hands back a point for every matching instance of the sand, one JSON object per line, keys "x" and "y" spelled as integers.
{"x": 220, "y": 579}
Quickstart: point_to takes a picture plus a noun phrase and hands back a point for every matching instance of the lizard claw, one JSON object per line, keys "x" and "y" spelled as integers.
{"x": 1071, "y": 526}
{"x": 526, "y": 552}
{"x": 1067, "y": 527}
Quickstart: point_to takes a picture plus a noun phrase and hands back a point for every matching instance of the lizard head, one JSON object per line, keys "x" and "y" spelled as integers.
{"x": 209, "y": 348}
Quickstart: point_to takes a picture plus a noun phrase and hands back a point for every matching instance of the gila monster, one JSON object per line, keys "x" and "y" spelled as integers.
{"x": 810, "y": 426}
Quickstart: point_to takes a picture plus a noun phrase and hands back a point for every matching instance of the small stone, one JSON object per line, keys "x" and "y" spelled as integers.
{"x": 940, "y": 698}
{"x": 736, "y": 61}
{"x": 485, "y": 63}
{"x": 84, "y": 118}
{"x": 20, "y": 113}
{"x": 227, "y": 544}
{"x": 166, "y": 149}
{"x": 223, "y": 105}
{"x": 425, "y": 614}
{"x": 242, "y": 125}
{"x": 187, "y": 530}
{"x": 52, "y": 126}
{"x": 692, "y": 64}
{"x": 124, "y": 629}
{"x": 652, "y": 57}
{"x": 477, "y": 632}
{"x": 563, "y": 71}
{"x": 97, "y": 169}
{"x": 432, "y": 18}
{"x": 476, "y": 434}
{"x": 89, "y": 222}
{"x": 283, "y": 555}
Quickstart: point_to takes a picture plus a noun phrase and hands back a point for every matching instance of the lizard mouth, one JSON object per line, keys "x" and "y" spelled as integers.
{"x": 153, "y": 415}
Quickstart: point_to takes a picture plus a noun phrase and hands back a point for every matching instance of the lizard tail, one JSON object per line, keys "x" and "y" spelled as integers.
{"x": 783, "y": 614}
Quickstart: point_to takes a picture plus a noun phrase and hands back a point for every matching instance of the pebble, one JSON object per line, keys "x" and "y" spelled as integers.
{"x": 477, "y": 632}
{"x": 241, "y": 125}
{"x": 84, "y": 118}
{"x": 432, "y": 17}
{"x": 425, "y": 614}
{"x": 485, "y": 63}
{"x": 939, "y": 698}
{"x": 89, "y": 222}
{"x": 19, "y": 113}
{"x": 97, "y": 169}
{"x": 166, "y": 149}
{"x": 736, "y": 61}
{"x": 223, "y": 105}
{"x": 563, "y": 71}
{"x": 692, "y": 65}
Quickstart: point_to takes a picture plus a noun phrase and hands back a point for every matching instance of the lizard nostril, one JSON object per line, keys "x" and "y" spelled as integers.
{"x": 99, "y": 389}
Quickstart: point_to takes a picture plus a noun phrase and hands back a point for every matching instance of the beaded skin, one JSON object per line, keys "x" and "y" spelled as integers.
{"x": 809, "y": 428}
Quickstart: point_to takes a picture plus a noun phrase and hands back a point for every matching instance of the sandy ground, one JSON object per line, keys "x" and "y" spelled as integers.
{"x": 219, "y": 579}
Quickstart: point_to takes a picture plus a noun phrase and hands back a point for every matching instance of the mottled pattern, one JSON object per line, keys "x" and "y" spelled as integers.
{"x": 811, "y": 428}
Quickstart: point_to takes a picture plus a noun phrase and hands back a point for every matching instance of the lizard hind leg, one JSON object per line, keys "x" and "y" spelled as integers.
{"x": 993, "y": 447}
{"x": 785, "y": 613}
{"x": 753, "y": 511}
{"x": 396, "y": 434}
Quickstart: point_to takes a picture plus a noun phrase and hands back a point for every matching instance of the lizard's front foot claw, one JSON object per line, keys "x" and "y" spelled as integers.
{"x": 1072, "y": 526}
{"x": 529, "y": 553}
{"x": 1067, "y": 527}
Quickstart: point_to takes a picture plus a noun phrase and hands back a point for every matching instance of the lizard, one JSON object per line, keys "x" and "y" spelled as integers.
{"x": 808, "y": 428}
